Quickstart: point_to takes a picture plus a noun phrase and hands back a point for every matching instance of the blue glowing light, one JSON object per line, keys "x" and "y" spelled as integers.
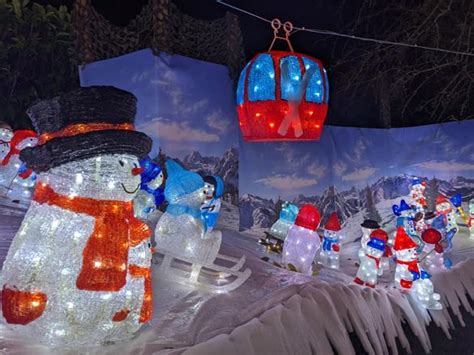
{"x": 261, "y": 81}
{"x": 290, "y": 82}
{"x": 241, "y": 85}
{"x": 315, "y": 89}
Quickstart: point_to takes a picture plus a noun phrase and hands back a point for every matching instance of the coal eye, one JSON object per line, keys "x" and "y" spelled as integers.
{"x": 121, "y": 163}
{"x": 135, "y": 165}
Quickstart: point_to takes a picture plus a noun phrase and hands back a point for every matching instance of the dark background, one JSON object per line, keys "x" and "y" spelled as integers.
{"x": 371, "y": 85}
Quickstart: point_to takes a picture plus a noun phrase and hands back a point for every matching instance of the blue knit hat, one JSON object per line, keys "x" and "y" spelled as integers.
{"x": 397, "y": 210}
{"x": 180, "y": 182}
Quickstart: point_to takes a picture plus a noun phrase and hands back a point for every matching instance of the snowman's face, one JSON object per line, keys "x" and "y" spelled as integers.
{"x": 374, "y": 252}
{"x": 443, "y": 207}
{"x": 407, "y": 254}
{"x": 209, "y": 190}
{"x": 106, "y": 177}
{"x": 156, "y": 182}
{"x": 5, "y": 138}
{"x": 330, "y": 234}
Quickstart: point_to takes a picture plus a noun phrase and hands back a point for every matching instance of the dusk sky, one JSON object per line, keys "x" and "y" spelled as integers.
{"x": 183, "y": 104}
{"x": 357, "y": 157}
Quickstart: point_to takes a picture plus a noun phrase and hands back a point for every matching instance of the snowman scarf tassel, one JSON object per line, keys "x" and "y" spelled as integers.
{"x": 105, "y": 256}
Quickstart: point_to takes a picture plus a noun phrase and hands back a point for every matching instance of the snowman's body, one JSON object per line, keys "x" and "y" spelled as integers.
{"x": 433, "y": 260}
{"x": 47, "y": 256}
{"x": 144, "y": 202}
{"x": 180, "y": 231}
{"x": 363, "y": 241}
{"x": 444, "y": 209}
{"x": 370, "y": 267}
{"x": 407, "y": 264}
{"x": 417, "y": 197}
{"x": 301, "y": 245}
{"x": 330, "y": 250}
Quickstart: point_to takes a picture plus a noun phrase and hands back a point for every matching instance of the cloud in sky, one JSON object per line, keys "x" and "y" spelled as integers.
{"x": 287, "y": 182}
{"x": 216, "y": 121}
{"x": 317, "y": 170}
{"x": 168, "y": 130}
{"x": 445, "y": 166}
{"x": 339, "y": 168}
{"x": 360, "y": 174}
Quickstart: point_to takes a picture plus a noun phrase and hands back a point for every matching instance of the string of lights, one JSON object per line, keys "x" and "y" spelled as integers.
{"x": 344, "y": 35}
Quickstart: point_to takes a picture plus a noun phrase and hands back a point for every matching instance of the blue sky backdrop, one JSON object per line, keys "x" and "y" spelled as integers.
{"x": 183, "y": 104}
{"x": 346, "y": 157}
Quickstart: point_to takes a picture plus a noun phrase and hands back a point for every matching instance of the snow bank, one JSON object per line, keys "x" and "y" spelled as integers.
{"x": 318, "y": 317}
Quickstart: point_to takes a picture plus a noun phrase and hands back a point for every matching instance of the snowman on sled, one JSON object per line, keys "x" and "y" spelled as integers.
{"x": 188, "y": 253}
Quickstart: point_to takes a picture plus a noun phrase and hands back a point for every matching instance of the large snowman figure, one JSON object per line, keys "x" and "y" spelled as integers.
{"x": 371, "y": 262}
{"x": 78, "y": 270}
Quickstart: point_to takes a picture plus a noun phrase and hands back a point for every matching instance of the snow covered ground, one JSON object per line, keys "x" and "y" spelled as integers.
{"x": 278, "y": 311}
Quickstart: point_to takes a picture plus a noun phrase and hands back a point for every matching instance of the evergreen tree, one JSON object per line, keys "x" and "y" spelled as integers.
{"x": 277, "y": 208}
{"x": 432, "y": 191}
{"x": 371, "y": 212}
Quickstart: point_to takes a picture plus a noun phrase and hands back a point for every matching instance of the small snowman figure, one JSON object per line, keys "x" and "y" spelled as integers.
{"x": 302, "y": 241}
{"x": 417, "y": 194}
{"x": 285, "y": 220}
{"x": 406, "y": 259}
{"x": 371, "y": 262}
{"x": 471, "y": 218}
{"x": 180, "y": 230}
{"x": 406, "y": 219}
{"x": 329, "y": 255}
{"x": 15, "y": 176}
{"x": 444, "y": 208}
{"x": 6, "y": 135}
{"x": 433, "y": 258}
{"x": 367, "y": 226}
{"x": 211, "y": 208}
{"x": 151, "y": 193}
{"x": 409, "y": 276}
{"x": 78, "y": 270}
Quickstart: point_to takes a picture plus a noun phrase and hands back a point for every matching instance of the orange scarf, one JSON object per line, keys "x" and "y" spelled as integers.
{"x": 105, "y": 256}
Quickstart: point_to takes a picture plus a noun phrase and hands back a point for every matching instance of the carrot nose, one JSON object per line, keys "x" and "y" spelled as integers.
{"x": 137, "y": 171}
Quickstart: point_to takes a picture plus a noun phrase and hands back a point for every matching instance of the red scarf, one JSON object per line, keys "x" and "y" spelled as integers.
{"x": 377, "y": 260}
{"x": 412, "y": 265}
{"x": 105, "y": 256}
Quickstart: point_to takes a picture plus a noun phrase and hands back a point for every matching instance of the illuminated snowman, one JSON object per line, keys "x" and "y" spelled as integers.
{"x": 302, "y": 241}
{"x": 444, "y": 208}
{"x": 367, "y": 226}
{"x": 417, "y": 195}
{"x": 15, "y": 177}
{"x": 433, "y": 258}
{"x": 409, "y": 276}
{"x": 371, "y": 261}
{"x": 330, "y": 250}
{"x": 78, "y": 271}
{"x": 151, "y": 194}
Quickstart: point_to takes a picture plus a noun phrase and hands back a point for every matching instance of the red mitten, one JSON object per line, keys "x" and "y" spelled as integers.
{"x": 336, "y": 247}
{"x": 438, "y": 248}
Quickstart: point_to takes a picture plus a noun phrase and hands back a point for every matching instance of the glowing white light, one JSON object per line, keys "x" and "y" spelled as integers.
{"x": 79, "y": 178}
{"x": 97, "y": 263}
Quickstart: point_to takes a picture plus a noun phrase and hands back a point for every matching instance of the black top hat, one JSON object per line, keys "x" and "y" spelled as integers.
{"x": 84, "y": 123}
{"x": 430, "y": 215}
{"x": 370, "y": 224}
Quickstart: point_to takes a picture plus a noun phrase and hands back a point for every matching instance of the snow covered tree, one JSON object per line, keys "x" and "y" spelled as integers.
{"x": 371, "y": 210}
{"x": 432, "y": 191}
